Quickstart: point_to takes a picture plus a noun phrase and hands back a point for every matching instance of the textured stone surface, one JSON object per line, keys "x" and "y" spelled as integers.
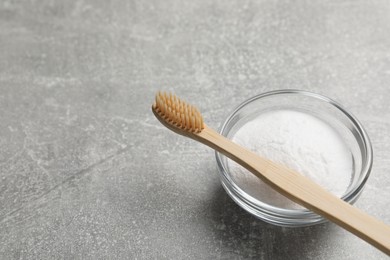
{"x": 86, "y": 172}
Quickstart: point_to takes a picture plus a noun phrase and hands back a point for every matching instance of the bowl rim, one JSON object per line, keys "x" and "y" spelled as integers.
{"x": 265, "y": 208}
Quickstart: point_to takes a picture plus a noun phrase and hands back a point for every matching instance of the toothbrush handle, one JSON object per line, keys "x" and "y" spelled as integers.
{"x": 302, "y": 190}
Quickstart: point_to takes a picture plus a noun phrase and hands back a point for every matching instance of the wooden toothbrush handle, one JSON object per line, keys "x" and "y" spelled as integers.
{"x": 302, "y": 190}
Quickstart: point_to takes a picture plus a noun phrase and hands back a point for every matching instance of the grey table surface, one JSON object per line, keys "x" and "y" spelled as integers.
{"x": 86, "y": 172}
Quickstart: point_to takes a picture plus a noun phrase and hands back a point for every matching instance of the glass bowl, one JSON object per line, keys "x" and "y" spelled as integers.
{"x": 328, "y": 111}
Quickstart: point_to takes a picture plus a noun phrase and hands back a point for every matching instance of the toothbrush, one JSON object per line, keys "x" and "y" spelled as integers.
{"x": 185, "y": 119}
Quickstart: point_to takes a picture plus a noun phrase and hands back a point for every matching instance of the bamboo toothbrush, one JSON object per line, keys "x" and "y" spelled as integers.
{"x": 185, "y": 119}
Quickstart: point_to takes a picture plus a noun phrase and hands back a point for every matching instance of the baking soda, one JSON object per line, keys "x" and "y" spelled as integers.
{"x": 299, "y": 141}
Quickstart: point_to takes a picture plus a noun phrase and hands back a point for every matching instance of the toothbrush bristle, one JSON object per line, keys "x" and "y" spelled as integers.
{"x": 179, "y": 113}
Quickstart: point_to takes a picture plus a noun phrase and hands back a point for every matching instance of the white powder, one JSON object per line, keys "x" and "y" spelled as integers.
{"x": 299, "y": 141}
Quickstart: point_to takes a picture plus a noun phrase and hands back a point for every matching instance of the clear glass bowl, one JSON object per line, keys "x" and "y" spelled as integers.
{"x": 346, "y": 125}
